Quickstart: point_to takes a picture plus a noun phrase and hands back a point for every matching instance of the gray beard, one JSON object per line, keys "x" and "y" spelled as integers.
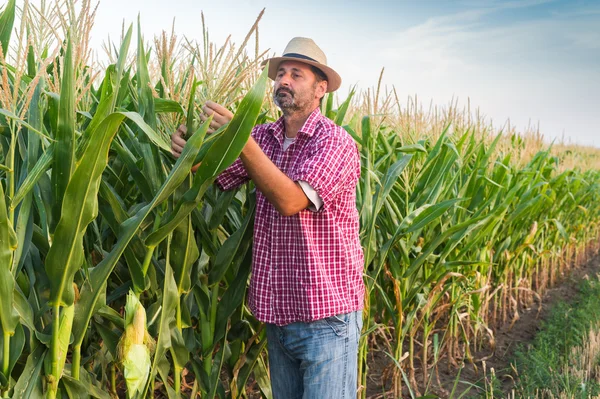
{"x": 286, "y": 104}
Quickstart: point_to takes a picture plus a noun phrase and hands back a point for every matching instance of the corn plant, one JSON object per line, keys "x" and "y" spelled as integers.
{"x": 100, "y": 207}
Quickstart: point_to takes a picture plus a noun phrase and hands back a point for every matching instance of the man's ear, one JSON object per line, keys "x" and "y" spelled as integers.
{"x": 321, "y": 89}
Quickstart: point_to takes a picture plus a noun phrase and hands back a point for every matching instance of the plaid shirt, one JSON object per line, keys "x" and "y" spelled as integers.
{"x": 307, "y": 266}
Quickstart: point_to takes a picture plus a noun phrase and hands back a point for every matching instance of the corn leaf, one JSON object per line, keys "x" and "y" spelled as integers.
{"x": 80, "y": 207}
{"x": 223, "y": 152}
{"x": 169, "y": 303}
{"x": 64, "y": 152}
{"x": 29, "y": 384}
{"x": 7, "y": 19}
{"x": 8, "y": 241}
{"x": 100, "y": 274}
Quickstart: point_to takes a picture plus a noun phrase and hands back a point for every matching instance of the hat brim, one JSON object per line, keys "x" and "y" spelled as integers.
{"x": 334, "y": 81}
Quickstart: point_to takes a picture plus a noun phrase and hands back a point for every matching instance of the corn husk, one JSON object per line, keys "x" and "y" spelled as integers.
{"x": 134, "y": 348}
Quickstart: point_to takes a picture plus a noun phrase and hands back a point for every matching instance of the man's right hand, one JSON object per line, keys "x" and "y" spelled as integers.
{"x": 177, "y": 141}
{"x": 220, "y": 114}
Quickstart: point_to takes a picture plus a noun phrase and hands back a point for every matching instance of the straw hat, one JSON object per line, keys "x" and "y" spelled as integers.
{"x": 305, "y": 50}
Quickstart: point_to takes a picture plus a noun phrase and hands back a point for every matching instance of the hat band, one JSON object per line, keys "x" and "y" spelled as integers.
{"x": 302, "y": 56}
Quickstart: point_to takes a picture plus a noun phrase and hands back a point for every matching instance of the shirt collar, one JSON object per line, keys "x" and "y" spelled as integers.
{"x": 309, "y": 128}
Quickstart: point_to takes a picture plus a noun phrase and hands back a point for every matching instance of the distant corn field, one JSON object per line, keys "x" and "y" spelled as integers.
{"x": 122, "y": 274}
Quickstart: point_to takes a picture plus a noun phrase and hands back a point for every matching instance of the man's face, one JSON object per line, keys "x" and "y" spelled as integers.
{"x": 296, "y": 87}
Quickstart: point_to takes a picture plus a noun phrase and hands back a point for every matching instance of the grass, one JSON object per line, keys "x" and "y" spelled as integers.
{"x": 564, "y": 357}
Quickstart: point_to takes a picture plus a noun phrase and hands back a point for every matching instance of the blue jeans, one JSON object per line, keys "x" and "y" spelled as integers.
{"x": 315, "y": 360}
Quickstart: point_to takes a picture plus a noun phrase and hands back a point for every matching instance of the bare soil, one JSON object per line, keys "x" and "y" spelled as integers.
{"x": 507, "y": 341}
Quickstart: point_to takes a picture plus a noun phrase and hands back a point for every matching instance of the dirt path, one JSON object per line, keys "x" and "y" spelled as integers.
{"x": 507, "y": 341}
{"x": 525, "y": 329}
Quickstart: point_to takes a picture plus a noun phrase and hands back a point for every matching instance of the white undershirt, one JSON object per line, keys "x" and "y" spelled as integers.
{"x": 311, "y": 193}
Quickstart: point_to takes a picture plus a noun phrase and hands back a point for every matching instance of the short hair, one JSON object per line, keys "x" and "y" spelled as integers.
{"x": 319, "y": 77}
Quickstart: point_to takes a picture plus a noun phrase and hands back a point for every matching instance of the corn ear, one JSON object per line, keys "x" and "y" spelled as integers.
{"x": 134, "y": 355}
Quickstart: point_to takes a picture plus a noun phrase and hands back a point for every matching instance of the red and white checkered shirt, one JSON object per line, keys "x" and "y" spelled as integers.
{"x": 307, "y": 266}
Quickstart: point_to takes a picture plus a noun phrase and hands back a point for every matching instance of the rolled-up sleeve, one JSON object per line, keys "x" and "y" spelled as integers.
{"x": 315, "y": 201}
{"x": 334, "y": 166}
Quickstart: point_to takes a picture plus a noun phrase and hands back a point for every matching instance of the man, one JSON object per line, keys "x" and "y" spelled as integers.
{"x": 306, "y": 282}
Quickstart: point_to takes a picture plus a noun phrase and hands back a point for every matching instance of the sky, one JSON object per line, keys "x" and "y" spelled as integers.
{"x": 531, "y": 61}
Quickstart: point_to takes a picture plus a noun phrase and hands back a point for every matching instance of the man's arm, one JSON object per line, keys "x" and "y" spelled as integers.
{"x": 282, "y": 192}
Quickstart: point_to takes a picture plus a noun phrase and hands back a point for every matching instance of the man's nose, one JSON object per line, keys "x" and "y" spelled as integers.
{"x": 284, "y": 80}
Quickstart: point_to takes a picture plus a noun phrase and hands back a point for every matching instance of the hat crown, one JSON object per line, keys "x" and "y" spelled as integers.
{"x": 307, "y": 48}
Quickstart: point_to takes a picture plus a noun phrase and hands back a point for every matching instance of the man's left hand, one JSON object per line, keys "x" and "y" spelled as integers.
{"x": 221, "y": 115}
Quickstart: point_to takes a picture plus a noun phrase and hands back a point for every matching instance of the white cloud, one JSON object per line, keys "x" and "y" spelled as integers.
{"x": 542, "y": 70}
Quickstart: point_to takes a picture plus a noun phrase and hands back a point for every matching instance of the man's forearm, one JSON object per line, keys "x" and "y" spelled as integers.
{"x": 281, "y": 191}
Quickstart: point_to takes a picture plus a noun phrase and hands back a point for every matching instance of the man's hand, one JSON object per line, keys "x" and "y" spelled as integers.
{"x": 177, "y": 141}
{"x": 220, "y": 114}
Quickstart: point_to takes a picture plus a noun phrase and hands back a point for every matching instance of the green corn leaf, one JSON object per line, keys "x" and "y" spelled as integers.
{"x": 229, "y": 146}
{"x": 75, "y": 389}
{"x": 328, "y": 106}
{"x": 261, "y": 375}
{"x": 189, "y": 123}
{"x": 223, "y": 152}
{"x": 17, "y": 343}
{"x": 145, "y": 97}
{"x": 149, "y": 152}
{"x": 94, "y": 388}
{"x": 99, "y": 275}
{"x": 252, "y": 358}
{"x": 343, "y": 109}
{"x": 149, "y": 131}
{"x": 460, "y": 228}
{"x": 561, "y": 229}
{"x": 23, "y": 308}
{"x": 41, "y": 166}
{"x": 8, "y": 241}
{"x": 138, "y": 176}
{"x": 164, "y": 369}
{"x": 412, "y": 148}
{"x": 163, "y": 105}
{"x": 21, "y": 122}
{"x": 7, "y": 19}
{"x": 232, "y": 298}
{"x": 64, "y": 152}
{"x": 427, "y": 214}
{"x": 184, "y": 252}
{"x": 64, "y": 335}
{"x": 230, "y": 247}
{"x": 109, "y": 338}
{"x": 24, "y": 225}
{"x": 169, "y": 303}
{"x": 370, "y": 213}
{"x": 29, "y": 384}
{"x": 180, "y": 353}
{"x": 220, "y": 208}
{"x": 120, "y": 66}
{"x": 80, "y": 207}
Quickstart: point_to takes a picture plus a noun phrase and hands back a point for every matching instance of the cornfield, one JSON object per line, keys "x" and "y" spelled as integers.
{"x": 124, "y": 275}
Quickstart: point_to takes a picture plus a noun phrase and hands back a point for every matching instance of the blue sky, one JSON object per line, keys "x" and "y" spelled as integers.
{"x": 531, "y": 61}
